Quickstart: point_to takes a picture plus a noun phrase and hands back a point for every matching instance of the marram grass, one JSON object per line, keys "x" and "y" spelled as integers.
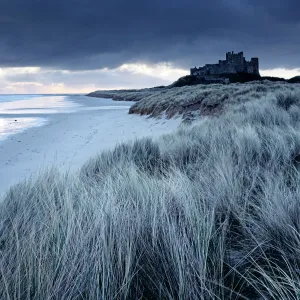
{"x": 209, "y": 212}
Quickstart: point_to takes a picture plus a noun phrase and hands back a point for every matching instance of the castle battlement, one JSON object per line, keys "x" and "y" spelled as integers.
{"x": 234, "y": 63}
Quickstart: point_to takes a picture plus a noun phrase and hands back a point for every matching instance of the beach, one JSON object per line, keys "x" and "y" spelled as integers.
{"x": 67, "y": 138}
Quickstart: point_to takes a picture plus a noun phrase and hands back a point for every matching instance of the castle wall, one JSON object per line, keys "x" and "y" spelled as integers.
{"x": 221, "y": 69}
{"x": 217, "y": 70}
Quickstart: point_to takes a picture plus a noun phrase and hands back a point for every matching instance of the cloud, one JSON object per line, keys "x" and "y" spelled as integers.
{"x": 43, "y": 80}
{"x": 281, "y": 72}
{"x": 163, "y": 71}
{"x": 35, "y": 80}
{"x": 92, "y": 34}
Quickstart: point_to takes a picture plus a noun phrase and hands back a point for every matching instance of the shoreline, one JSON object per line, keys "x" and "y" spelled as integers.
{"x": 68, "y": 140}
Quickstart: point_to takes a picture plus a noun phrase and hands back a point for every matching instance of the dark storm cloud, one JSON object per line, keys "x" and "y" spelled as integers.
{"x": 92, "y": 34}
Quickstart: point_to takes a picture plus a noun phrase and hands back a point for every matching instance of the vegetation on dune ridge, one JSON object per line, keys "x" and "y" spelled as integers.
{"x": 196, "y": 100}
{"x": 233, "y": 78}
{"x": 209, "y": 212}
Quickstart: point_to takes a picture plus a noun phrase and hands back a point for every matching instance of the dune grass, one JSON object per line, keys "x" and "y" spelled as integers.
{"x": 209, "y": 212}
{"x": 200, "y": 99}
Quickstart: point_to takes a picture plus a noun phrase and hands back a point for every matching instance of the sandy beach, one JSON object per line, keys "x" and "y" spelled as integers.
{"x": 69, "y": 139}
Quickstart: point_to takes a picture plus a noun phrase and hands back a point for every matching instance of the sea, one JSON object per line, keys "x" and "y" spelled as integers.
{"x": 21, "y": 112}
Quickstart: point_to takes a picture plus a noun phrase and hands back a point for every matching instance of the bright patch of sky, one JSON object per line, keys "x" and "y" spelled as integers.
{"x": 36, "y": 80}
{"x": 281, "y": 72}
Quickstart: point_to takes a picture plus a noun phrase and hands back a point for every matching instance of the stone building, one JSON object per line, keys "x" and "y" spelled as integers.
{"x": 234, "y": 63}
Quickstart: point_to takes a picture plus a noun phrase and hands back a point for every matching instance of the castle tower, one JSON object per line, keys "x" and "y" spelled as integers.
{"x": 241, "y": 58}
{"x": 235, "y": 58}
{"x": 255, "y": 64}
{"x": 229, "y": 56}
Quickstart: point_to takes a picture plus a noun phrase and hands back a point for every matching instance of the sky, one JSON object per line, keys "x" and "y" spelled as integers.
{"x": 78, "y": 46}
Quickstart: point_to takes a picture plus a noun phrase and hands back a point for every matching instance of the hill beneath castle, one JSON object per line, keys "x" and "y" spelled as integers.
{"x": 233, "y": 78}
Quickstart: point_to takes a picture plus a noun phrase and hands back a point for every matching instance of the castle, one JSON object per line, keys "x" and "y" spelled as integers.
{"x": 234, "y": 63}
